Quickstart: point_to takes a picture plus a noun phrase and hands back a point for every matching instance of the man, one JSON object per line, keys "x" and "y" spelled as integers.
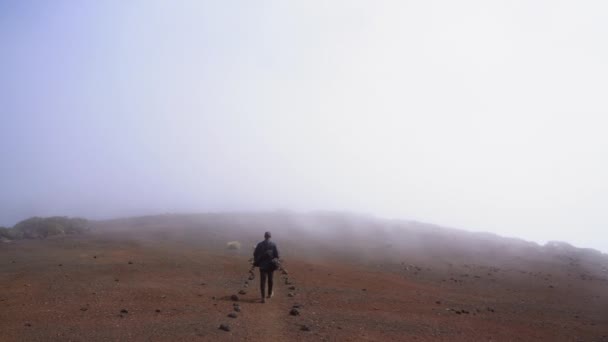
{"x": 266, "y": 257}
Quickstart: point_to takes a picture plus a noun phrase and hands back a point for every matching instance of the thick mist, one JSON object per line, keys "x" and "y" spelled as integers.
{"x": 486, "y": 116}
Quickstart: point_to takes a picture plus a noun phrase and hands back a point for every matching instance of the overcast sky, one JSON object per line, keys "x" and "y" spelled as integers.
{"x": 482, "y": 115}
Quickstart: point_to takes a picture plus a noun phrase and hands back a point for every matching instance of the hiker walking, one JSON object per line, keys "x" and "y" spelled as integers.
{"x": 266, "y": 257}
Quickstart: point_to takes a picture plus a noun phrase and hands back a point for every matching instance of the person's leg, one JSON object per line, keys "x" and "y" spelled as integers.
{"x": 270, "y": 283}
{"x": 262, "y": 283}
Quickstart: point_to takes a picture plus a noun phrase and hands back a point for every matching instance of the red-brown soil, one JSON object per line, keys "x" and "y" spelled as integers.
{"x": 422, "y": 284}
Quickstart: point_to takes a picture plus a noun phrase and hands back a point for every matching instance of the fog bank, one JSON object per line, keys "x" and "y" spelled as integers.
{"x": 486, "y": 116}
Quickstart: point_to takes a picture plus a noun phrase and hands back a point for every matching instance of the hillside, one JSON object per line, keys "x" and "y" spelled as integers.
{"x": 170, "y": 278}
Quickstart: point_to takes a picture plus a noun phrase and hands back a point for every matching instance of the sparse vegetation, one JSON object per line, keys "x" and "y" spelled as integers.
{"x": 41, "y": 227}
{"x": 6, "y": 233}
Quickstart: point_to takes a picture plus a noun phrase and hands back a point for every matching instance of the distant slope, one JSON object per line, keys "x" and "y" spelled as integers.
{"x": 358, "y": 238}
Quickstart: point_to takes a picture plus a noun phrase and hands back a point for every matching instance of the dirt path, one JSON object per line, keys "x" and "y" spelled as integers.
{"x": 266, "y": 321}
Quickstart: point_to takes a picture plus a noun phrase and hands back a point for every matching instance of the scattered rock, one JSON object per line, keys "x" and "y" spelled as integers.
{"x": 291, "y": 294}
{"x": 84, "y": 308}
{"x": 234, "y": 298}
{"x": 28, "y": 324}
{"x": 237, "y": 308}
{"x": 292, "y": 287}
{"x": 94, "y": 256}
{"x": 157, "y": 310}
{"x": 242, "y": 292}
{"x": 130, "y": 262}
{"x": 438, "y": 302}
{"x": 60, "y": 265}
{"x": 203, "y": 284}
{"x": 294, "y": 312}
{"x": 305, "y": 328}
{"x": 232, "y": 315}
{"x": 124, "y": 311}
{"x": 224, "y": 327}
{"x": 234, "y": 245}
{"x": 363, "y": 289}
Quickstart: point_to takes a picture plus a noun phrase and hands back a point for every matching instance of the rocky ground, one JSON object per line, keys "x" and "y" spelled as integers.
{"x": 152, "y": 287}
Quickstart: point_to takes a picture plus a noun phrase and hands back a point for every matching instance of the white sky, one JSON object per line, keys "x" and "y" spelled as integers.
{"x": 483, "y": 115}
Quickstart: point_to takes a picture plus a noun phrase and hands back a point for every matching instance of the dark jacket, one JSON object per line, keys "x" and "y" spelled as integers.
{"x": 264, "y": 252}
